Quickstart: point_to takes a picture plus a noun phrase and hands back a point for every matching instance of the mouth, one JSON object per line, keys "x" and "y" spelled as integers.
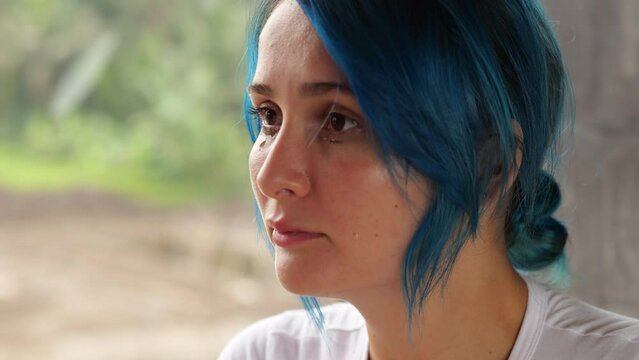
{"x": 284, "y": 234}
{"x": 292, "y": 238}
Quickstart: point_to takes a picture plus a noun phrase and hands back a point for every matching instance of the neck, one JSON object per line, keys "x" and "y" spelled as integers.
{"x": 476, "y": 316}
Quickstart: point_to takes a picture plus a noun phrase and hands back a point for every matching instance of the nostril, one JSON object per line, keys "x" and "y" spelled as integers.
{"x": 285, "y": 192}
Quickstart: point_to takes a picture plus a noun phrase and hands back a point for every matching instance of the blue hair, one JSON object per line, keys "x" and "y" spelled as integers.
{"x": 441, "y": 83}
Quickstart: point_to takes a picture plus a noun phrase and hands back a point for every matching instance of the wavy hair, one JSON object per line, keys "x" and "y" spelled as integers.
{"x": 441, "y": 83}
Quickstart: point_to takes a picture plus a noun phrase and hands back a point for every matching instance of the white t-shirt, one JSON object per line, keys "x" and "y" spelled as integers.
{"x": 555, "y": 326}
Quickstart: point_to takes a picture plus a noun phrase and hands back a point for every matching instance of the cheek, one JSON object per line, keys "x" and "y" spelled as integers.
{"x": 370, "y": 204}
{"x": 255, "y": 161}
{"x": 366, "y": 204}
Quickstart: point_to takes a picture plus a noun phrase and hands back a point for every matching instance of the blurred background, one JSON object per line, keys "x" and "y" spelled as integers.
{"x": 126, "y": 220}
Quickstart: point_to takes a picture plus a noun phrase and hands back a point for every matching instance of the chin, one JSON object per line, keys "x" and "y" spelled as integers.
{"x": 299, "y": 285}
{"x": 301, "y": 277}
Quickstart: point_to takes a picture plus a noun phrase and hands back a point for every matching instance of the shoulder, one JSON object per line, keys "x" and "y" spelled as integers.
{"x": 575, "y": 329}
{"x": 293, "y": 335}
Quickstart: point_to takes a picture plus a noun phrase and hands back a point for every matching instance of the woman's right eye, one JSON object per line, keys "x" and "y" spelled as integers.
{"x": 268, "y": 118}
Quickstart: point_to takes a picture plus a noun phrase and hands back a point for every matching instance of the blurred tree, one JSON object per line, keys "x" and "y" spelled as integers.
{"x": 151, "y": 87}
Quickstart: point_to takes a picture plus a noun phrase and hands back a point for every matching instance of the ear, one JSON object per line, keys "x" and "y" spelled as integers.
{"x": 514, "y": 169}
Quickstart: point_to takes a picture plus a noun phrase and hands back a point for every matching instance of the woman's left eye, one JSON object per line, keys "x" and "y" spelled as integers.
{"x": 340, "y": 123}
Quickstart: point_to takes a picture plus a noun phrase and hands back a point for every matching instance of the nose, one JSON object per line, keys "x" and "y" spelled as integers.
{"x": 284, "y": 169}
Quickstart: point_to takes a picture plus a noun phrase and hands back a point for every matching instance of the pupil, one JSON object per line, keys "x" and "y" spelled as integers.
{"x": 268, "y": 115}
{"x": 338, "y": 122}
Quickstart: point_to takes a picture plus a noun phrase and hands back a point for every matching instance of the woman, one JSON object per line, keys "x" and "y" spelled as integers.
{"x": 402, "y": 163}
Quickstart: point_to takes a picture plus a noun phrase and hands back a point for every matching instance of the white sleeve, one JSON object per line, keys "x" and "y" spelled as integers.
{"x": 249, "y": 344}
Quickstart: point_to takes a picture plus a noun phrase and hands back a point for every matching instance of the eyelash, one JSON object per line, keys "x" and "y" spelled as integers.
{"x": 257, "y": 113}
{"x": 270, "y": 130}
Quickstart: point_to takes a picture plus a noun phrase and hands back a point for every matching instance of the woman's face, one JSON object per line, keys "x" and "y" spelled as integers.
{"x": 337, "y": 222}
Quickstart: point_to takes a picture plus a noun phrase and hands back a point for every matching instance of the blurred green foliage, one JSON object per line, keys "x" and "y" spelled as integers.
{"x": 141, "y": 97}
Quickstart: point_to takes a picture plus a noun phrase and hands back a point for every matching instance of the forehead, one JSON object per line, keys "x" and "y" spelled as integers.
{"x": 289, "y": 47}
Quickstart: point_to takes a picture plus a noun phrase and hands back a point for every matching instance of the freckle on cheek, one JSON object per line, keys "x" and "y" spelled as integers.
{"x": 396, "y": 206}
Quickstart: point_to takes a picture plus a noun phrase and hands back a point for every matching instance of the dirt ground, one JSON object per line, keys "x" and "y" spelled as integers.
{"x": 89, "y": 276}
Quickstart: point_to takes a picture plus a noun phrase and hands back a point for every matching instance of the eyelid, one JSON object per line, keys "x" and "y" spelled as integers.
{"x": 336, "y": 107}
{"x": 265, "y": 106}
{"x": 352, "y": 114}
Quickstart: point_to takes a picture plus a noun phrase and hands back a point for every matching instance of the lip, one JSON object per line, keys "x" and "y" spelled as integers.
{"x": 291, "y": 238}
{"x": 284, "y": 235}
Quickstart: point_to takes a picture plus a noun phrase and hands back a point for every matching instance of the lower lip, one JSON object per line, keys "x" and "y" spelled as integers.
{"x": 288, "y": 239}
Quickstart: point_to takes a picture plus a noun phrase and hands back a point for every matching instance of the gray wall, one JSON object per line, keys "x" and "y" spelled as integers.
{"x": 600, "y": 40}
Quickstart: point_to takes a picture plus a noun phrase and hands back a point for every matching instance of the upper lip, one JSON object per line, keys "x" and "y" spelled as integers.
{"x": 283, "y": 227}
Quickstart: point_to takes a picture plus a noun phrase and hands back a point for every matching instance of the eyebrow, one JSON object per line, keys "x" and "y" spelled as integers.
{"x": 306, "y": 89}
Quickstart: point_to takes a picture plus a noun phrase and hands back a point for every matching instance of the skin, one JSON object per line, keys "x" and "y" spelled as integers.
{"x": 314, "y": 168}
